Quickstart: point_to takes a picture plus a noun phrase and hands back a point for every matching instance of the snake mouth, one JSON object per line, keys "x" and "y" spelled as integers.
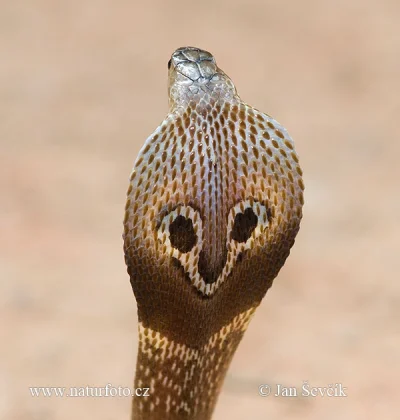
{"x": 195, "y": 65}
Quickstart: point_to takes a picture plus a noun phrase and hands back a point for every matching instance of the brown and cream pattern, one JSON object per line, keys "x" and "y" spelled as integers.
{"x": 213, "y": 208}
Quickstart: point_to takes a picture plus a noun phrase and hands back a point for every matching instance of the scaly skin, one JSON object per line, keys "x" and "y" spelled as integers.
{"x": 214, "y": 205}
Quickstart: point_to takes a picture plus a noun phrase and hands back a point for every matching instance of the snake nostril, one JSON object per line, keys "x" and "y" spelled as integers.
{"x": 182, "y": 234}
{"x": 169, "y": 64}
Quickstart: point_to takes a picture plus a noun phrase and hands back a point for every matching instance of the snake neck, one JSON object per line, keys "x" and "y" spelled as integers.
{"x": 201, "y": 99}
{"x": 183, "y": 382}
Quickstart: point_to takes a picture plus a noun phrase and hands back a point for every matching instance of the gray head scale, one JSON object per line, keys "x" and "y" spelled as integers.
{"x": 194, "y": 72}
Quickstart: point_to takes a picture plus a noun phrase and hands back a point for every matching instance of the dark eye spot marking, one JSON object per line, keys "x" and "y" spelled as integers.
{"x": 169, "y": 64}
{"x": 244, "y": 225}
{"x": 182, "y": 234}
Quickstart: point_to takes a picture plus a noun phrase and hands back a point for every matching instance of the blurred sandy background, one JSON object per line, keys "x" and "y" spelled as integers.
{"x": 82, "y": 84}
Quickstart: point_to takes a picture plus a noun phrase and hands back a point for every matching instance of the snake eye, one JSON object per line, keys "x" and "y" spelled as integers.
{"x": 244, "y": 225}
{"x": 169, "y": 64}
{"x": 182, "y": 234}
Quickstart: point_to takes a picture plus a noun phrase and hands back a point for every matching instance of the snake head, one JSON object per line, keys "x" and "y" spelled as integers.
{"x": 194, "y": 73}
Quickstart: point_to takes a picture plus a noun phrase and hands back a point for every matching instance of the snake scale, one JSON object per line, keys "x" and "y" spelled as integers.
{"x": 213, "y": 207}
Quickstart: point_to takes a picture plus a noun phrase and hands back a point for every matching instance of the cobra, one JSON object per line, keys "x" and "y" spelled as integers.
{"x": 213, "y": 207}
